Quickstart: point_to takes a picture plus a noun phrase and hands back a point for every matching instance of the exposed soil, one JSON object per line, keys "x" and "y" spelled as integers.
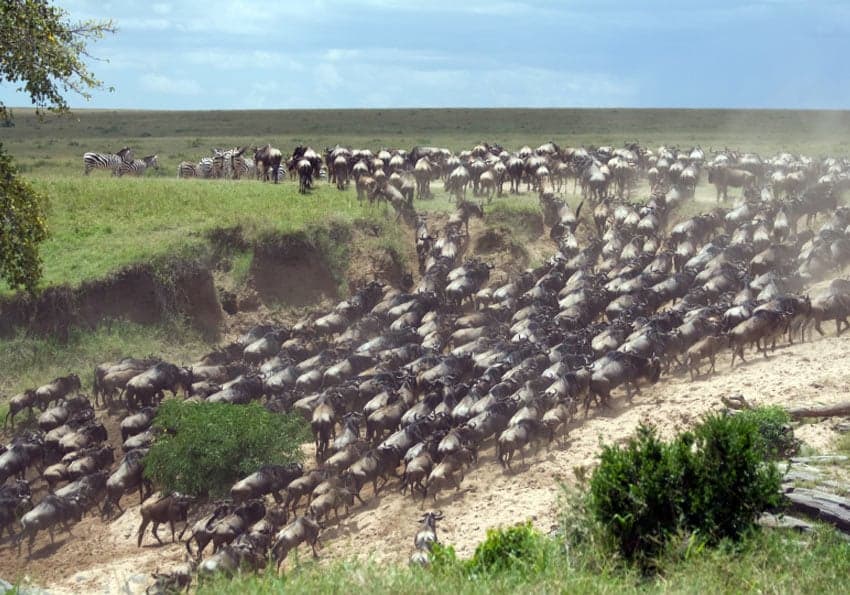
{"x": 141, "y": 293}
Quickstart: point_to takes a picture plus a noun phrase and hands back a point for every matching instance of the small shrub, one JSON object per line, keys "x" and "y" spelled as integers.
{"x": 732, "y": 482}
{"x": 515, "y": 548}
{"x": 443, "y": 558}
{"x": 775, "y": 429}
{"x": 633, "y": 493}
{"x": 204, "y": 448}
{"x": 713, "y": 481}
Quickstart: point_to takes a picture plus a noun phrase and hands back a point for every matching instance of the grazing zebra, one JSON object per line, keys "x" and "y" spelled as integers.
{"x": 136, "y": 167}
{"x": 109, "y": 161}
{"x": 240, "y": 165}
{"x": 187, "y": 169}
{"x": 205, "y": 168}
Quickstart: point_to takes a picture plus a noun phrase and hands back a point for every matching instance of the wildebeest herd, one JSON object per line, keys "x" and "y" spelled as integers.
{"x": 408, "y": 387}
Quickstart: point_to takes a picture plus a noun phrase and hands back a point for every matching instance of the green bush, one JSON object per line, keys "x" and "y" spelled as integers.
{"x": 774, "y": 427}
{"x": 713, "y": 482}
{"x": 520, "y": 547}
{"x": 204, "y": 448}
{"x": 632, "y": 493}
{"x": 732, "y": 484}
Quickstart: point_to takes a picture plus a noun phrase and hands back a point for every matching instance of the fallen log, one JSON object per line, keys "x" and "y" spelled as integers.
{"x": 829, "y": 508}
{"x": 842, "y": 408}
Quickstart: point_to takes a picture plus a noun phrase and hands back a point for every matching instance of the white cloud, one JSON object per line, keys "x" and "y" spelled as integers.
{"x": 159, "y": 83}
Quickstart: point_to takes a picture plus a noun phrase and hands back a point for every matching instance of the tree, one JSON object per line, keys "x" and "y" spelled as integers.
{"x": 44, "y": 53}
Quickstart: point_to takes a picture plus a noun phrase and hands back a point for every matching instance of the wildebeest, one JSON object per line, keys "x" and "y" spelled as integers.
{"x": 268, "y": 159}
{"x": 53, "y": 510}
{"x": 723, "y": 177}
{"x": 164, "y": 508}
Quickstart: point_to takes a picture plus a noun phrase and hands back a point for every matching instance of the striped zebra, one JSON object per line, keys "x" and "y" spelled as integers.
{"x": 229, "y": 163}
{"x": 204, "y": 168}
{"x": 109, "y": 161}
{"x": 187, "y": 169}
{"x": 136, "y": 167}
{"x": 241, "y": 166}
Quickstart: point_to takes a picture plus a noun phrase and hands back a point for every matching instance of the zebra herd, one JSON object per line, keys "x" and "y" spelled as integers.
{"x": 228, "y": 164}
{"x": 120, "y": 163}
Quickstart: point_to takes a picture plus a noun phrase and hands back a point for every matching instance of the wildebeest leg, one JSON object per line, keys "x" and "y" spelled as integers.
{"x": 313, "y": 545}
{"x": 142, "y": 528}
{"x": 154, "y": 531}
{"x": 171, "y": 524}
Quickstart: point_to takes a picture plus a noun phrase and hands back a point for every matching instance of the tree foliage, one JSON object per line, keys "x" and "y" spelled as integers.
{"x": 22, "y": 227}
{"x": 203, "y": 448}
{"x": 43, "y": 53}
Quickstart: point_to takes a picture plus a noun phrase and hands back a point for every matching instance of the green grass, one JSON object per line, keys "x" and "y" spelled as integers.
{"x": 98, "y": 225}
{"x": 27, "y": 362}
{"x": 774, "y": 561}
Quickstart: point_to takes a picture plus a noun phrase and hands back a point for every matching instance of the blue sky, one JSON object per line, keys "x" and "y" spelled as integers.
{"x": 469, "y": 53}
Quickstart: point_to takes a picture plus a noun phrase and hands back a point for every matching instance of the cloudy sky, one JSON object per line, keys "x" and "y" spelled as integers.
{"x": 470, "y": 53}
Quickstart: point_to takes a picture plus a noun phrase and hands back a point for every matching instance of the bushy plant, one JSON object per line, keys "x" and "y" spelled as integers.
{"x": 732, "y": 484}
{"x": 774, "y": 427}
{"x": 520, "y": 547}
{"x": 203, "y": 448}
{"x": 633, "y": 493}
{"x": 713, "y": 481}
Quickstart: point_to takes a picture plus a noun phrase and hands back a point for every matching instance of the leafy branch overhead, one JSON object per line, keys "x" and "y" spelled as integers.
{"x": 44, "y": 53}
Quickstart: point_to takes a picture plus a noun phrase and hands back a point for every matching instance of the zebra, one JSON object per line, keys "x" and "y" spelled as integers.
{"x": 229, "y": 163}
{"x": 241, "y": 167}
{"x": 239, "y": 164}
{"x": 109, "y": 161}
{"x": 205, "y": 168}
{"x": 136, "y": 167}
{"x": 187, "y": 169}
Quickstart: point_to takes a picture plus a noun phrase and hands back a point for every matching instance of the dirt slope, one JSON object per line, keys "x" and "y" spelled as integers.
{"x": 103, "y": 557}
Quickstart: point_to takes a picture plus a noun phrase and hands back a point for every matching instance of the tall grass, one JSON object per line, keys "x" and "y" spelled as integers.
{"x": 769, "y": 561}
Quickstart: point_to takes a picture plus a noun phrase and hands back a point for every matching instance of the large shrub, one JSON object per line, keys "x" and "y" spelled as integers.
{"x": 203, "y": 448}
{"x": 633, "y": 495}
{"x": 713, "y": 482}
